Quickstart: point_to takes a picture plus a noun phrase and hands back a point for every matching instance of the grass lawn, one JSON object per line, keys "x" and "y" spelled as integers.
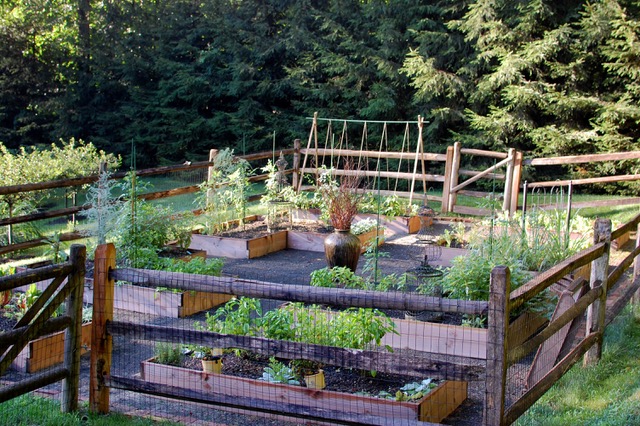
{"x": 604, "y": 394}
{"x": 29, "y": 410}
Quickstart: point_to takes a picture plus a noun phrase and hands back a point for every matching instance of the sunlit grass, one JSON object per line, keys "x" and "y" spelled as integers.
{"x": 605, "y": 394}
{"x": 30, "y": 410}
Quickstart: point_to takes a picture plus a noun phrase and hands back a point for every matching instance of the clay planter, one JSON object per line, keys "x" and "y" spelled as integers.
{"x": 342, "y": 248}
{"x": 434, "y": 407}
{"x": 48, "y": 351}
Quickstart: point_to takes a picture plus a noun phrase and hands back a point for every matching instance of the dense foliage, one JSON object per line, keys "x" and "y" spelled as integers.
{"x": 178, "y": 78}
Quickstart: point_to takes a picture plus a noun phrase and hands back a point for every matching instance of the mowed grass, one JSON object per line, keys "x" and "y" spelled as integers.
{"x": 29, "y": 410}
{"x": 606, "y": 394}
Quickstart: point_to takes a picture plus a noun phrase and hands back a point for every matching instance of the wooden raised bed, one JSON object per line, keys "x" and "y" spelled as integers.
{"x": 48, "y": 351}
{"x": 434, "y": 407}
{"x": 164, "y": 303}
{"x": 238, "y": 248}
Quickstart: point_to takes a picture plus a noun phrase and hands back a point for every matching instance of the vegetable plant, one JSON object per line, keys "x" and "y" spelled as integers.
{"x": 278, "y": 372}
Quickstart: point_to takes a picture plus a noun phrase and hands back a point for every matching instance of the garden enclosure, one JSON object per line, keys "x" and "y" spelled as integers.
{"x": 511, "y": 368}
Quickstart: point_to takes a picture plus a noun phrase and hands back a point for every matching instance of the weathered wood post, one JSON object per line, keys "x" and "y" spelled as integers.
{"x": 73, "y": 334}
{"x": 599, "y": 273}
{"x": 446, "y": 185}
{"x": 296, "y": 165}
{"x": 101, "y": 341}
{"x": 508, "y": 181}
{"x": 455, "y": 176}
{"x": 498, "y": 325}
{"x": 515, "y": 187}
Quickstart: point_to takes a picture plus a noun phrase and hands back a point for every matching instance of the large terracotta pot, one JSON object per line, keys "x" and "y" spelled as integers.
{"x": 342, "y": 248}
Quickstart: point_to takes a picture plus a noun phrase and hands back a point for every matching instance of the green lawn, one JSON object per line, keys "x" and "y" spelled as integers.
{"x": 605, "y": 394}
{"x": 30, "y": 410}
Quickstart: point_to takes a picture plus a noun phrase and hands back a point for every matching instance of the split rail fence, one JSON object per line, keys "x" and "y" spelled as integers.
{"x": 67, "y": 285}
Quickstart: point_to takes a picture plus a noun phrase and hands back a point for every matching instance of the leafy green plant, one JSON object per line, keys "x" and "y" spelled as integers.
{"x": 415, "y": 390}
{"x": 238, "y": 316}
{"x": 168, "y": 354}
{"x": 390, "y": 207}
{"x": 344, "y": 277}
{"x": 365, "y": 225}
{"x": 223, "y": 197}
{"x": 197, "y": 265}
{"x": 277, "y": 372}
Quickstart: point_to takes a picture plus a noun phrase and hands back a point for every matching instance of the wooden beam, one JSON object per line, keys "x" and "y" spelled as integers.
{"x": 411, "y": 363}
{"x": 480, "y": 175}
{"x": 281, "y": 408}
{"x": 483, "y": 153}
{"x": 578, "y": 159}
{"x": 9, "y": 282}
{"x": 539, "y": 283}
{"x": 604, "y": 179}
{"x": 32, "y": 383}
{"x": 373, "y": 173}
{"x": 339, "y": 297}
{"x": 377, "y": 154}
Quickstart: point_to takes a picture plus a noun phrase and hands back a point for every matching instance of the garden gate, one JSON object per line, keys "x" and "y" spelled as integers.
{"x": 67, "y": 285}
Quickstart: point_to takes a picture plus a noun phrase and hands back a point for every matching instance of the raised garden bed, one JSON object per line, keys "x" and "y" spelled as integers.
{"x": 48, "y": 351}
{"x": 164, "y": 302}
{"x": 434, "y": 407}
{"x": 256, "y": 242}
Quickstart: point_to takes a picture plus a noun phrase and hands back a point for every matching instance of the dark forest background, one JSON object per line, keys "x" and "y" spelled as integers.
{"x": 177, "y": 77}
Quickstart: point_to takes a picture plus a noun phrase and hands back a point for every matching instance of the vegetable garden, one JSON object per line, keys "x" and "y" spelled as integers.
{"x": 530, "y": 296}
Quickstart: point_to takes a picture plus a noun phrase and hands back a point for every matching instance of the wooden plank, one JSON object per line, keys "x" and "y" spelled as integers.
{"x": 483, "y": 153}
{"x": 544, "y": 280}
{"x": 448, "y": 397}
{"x": 258, "y": 247}
{"x": 252, "y": 407}
{"x": 587, "y": 158}
{"x": 30, "y": 384}
{"x": 445, "y": 339}
{"x": 382, "y": 174}
{"x": 194, "y": 302}
{"x": 605, "y": 179}
{"x": 617, "y": 243}
{"x": 375, "y": 154}
{"x": 405, "y": 363}
{"x": 330, "y": 296}
{"x": 548, "y": 352}
{"x": 525, "y": 326}
{"x": 47, "y": 351}
{"x": 314, "y": 241}
{"x": 233, "y": 248}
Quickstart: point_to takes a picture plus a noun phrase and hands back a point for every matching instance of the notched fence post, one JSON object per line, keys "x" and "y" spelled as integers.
{"x": 596, "y": 313}
{"x": 497, "y": 339}
{"x": 101, "y": 341}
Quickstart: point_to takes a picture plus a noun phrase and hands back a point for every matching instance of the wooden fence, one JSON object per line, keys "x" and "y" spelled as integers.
{"x": 453, "y": 181}
{"x": 67, "y": 284}
{"x": 575, "y": 331}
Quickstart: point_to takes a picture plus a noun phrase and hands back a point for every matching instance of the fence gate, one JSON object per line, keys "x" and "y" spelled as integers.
{"x": 66, "y": 284}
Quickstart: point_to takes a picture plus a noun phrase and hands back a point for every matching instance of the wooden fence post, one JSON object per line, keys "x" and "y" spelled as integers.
{"x": 497, "y": 339}
{"x": 101, "y": 341}
{"x": 517, "y": 177}
{"x": 73, "y": 334}
{"x": 508, "y": 181}
{"x": 446, "y": 185}
{"x": 455, "y": 176}
{"x": 596, "y": 312}
{"x": 296, "y": 164}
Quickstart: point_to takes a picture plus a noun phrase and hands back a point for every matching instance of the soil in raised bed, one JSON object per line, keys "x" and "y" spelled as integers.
{"x": 337, "y": 379}
{"x": 258, "y": 228}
